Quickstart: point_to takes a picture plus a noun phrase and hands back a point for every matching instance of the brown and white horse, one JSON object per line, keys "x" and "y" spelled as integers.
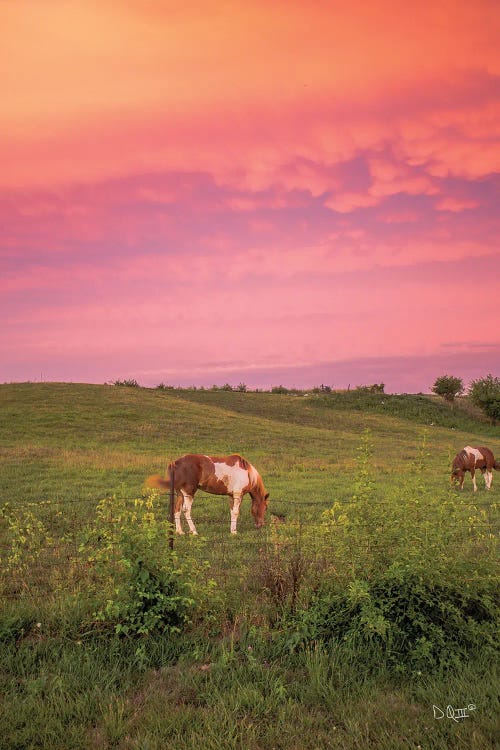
{"x": 470, "y": 459}
{"x": 228, "y": 475}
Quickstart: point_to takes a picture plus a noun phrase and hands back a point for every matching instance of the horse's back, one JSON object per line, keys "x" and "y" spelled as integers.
{"x": 489, "y": 458}
{"x": 475, "y": 457}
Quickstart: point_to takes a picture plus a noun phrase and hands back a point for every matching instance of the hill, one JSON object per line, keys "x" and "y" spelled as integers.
{"x": 76, "y": 441}
{"x": 368, "y": 596}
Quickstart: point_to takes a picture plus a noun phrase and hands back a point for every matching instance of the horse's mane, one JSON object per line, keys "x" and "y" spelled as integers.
{"x": 460, "y": 459}
{"x": 242, "y": 461}
{"x": 253, "y": 474}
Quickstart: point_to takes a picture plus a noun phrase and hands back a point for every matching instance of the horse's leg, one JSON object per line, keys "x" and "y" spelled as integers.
{"x": 484, "y": 472}
{"x": 473, "y": 475}
{"x": 235, "y": 511}
{"x": 188, "y": 502}
{"x": 488, "y": 478}
{"x": 177, "y": 514}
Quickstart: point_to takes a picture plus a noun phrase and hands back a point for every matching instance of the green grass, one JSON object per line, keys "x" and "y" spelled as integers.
{"x": 229, "y": 682}
{"x": 105, "y": 695}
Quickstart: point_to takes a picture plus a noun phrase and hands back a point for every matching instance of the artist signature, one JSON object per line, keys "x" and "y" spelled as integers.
{"x": 453, "y": 713}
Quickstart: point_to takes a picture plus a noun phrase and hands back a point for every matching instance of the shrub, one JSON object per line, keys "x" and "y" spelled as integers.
{"x": 418, "y": 624}
{"x": 321, "y": 389}
{"x": 492, "y": 409}
{"x": 485, "y": 393}
{"x": 448, "y": 386}
{"x": 130, "y": 383}
{"x": 142, "y": 585}
{"x": 279, "y": 389}
{"x": 374, "y": 388}
{"x": 149, "y": 599}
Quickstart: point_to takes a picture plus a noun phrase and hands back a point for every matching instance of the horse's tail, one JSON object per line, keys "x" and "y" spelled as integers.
{"x": 158, "y": 482}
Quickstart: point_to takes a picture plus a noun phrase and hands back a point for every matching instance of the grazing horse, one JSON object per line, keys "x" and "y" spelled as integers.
{"x": 470, "y": 459}
{"x": 229, "y": 475}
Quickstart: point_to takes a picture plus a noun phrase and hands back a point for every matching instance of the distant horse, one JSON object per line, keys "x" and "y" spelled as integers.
{"x": 470, "y": 459}
{"x": 229, "y": 475}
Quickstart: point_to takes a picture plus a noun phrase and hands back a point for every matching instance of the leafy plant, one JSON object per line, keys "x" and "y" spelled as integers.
{"x": 27, "y": 541}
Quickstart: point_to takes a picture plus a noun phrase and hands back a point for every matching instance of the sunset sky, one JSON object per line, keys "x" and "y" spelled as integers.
{"x": 261, "y": 191}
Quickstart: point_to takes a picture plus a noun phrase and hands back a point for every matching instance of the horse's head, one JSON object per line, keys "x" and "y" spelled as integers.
{"x": 259, "y": 506}
{"x": 457, "y": 475}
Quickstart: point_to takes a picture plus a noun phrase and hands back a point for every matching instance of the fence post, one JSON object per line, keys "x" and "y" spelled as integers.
{"x": 172, "y": 494}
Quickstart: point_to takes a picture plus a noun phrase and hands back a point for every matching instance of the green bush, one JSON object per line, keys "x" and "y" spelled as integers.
{"x": 448, "y": 386}
{"x": 149, "y": 599}
{"x": 492, "y": 409}
{"x": 417, "y": 623}
{"x": 374, "y": 388}
{"x": 140, "y": 583}
{"x": 485, "y": 393}
{"x": 14, "y": 627}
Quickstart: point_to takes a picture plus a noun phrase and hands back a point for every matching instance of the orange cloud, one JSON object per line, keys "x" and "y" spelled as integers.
{"x": 100, "y": 89}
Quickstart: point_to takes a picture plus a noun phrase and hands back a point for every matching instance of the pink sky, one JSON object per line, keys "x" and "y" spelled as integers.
{"x": 275, "y": 192}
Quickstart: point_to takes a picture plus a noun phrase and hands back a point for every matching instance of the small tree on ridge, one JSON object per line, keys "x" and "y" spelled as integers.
{"x": 448, "y": 386}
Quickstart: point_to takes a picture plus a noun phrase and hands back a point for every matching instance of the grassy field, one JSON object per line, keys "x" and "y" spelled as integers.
{"x": 249, "y": 670}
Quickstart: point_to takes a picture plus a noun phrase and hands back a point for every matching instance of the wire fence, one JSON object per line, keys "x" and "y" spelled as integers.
{"x": 61, "y": 549}
{"x": 210, "y": 498}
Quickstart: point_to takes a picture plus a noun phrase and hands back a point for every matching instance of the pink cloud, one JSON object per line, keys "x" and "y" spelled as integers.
{"x": 318, "y": 191}
{"x": 455, "y": 204}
